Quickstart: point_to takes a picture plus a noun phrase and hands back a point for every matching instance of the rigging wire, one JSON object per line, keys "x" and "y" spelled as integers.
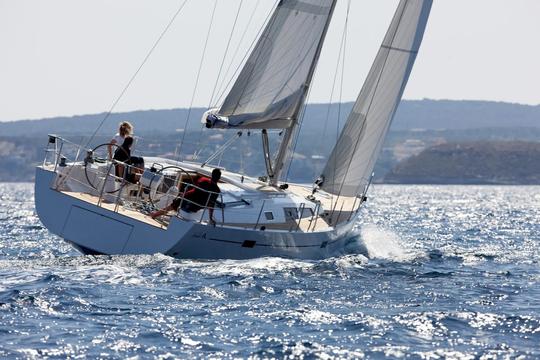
{"x": 255, "y": 62}
{"x": 126, "y": 87}
{"x": 243, "y": 143}
{"x": 302, "y": 115}
{"x": 299, "y": 128}
{"x": 220, "y": 87}
{"x": 329, "y": 108}
{"x": 199, "y": 146}
{"x": 226, "y": 52}
{"x": 343, "y": 43}
{"x": 178, "y": 149}
{"x": 248, "y": 52}
{"x": 371, "y": 101}
{"x": 346, "y": 29}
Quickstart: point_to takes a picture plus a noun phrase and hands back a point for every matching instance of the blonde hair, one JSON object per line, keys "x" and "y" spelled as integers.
{"x": 125, "y": 128}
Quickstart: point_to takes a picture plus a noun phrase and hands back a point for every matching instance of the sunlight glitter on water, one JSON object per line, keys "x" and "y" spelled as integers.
{"x": 434, "y": 271}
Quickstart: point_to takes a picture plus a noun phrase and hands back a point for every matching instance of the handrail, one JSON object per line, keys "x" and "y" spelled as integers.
{"x": 203, "y": 207}
{"x": 59, "y": 155}
{"x": 313, "y": 214}
{"x": 137, "y": 198}
{"x": 104, "y": 183}
{"x": 301, "y": 213}
{"x": 259, "y": 217}
{"x": 140, "y": 150}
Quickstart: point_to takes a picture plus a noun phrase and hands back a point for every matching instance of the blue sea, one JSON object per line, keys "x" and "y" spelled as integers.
{"x": 433, "y": 272}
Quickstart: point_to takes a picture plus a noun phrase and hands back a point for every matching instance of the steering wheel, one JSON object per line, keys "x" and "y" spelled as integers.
{"x": 97, "y": 157}
{"x": 165, "y": 176}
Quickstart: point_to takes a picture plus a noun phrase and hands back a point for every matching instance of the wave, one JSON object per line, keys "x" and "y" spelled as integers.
{"x": 378, "y": 243}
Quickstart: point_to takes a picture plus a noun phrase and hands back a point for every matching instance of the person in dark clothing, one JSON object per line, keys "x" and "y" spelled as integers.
{"x": 123, "y": 152}
{"x": 196, "y": 198}
{"x": 123, "y": 155}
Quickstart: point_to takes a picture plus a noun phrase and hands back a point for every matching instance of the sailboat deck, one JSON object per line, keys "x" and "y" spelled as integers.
{"x": 346, "y": 203}
{"x": 307, "y": 224}
{"x": 328, "y": 202}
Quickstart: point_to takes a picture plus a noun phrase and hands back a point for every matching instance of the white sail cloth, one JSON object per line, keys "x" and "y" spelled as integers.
{"x": 271, "y": 87}
{"x": 351, "y": 162}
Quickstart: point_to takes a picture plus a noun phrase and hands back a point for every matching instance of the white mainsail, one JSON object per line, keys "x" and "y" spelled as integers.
{"x": 349, "y": 168}
{"x": 272, "y": 85}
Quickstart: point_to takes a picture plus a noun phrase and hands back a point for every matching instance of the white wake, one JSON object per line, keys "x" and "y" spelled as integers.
{"x": 379, "y": 243}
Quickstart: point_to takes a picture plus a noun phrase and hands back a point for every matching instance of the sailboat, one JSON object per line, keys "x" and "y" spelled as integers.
{"x": 81, "y": 198}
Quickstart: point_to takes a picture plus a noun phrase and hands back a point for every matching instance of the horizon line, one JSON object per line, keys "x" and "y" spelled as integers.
{"x": 309, "y": 103}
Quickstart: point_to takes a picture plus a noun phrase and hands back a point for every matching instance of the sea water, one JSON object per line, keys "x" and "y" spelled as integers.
{"x": 433, "y": 272}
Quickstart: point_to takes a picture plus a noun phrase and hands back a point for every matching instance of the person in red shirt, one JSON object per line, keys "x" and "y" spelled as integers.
{"x": 196, "y": 198}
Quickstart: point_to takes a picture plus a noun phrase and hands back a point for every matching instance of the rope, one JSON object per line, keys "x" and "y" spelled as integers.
{"x": 108, "y": 114}
{"x": 178, "y": 149}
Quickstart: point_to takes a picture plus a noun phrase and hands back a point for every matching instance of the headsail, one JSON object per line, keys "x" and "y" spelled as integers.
{"x": 271, "y": 87}
{"x": 351, "y": 162}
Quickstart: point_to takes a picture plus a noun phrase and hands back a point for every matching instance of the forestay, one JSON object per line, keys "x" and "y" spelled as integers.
{"x": 272, "y": 85}
{"x": 351, "y": 162}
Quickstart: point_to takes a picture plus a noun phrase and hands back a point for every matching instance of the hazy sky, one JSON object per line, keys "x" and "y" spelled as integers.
{"x": 66, "y": 57}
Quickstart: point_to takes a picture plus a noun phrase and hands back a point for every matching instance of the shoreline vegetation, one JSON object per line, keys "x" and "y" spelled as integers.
{"x": 430, "y": 142}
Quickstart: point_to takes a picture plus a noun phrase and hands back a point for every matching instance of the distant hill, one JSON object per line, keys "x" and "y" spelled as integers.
{"x": 455, "y": 115}
{"x": 419, "y": 125}
{"x": 145, "y": 122}
{"x": 412, "y": 114}
{"x": 491, "y": 162}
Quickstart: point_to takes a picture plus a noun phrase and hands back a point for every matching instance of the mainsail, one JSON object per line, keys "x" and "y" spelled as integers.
{"x": 272, "y": 85}
{"x": 351, "y": 162}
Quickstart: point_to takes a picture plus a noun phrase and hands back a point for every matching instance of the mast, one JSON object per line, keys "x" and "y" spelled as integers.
{"x": 272, "y": 87}
{"x": 284, "y": 151}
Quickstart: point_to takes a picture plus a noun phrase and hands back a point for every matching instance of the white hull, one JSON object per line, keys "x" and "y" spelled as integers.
{"x": 101, "y": 205}
{"x": 96, "y": 229}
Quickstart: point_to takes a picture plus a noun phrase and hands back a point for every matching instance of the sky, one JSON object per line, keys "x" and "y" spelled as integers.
{"x": 69, "y": 57}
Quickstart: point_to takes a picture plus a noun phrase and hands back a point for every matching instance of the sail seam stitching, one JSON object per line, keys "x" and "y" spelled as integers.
{"x": 399, "y": 49}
